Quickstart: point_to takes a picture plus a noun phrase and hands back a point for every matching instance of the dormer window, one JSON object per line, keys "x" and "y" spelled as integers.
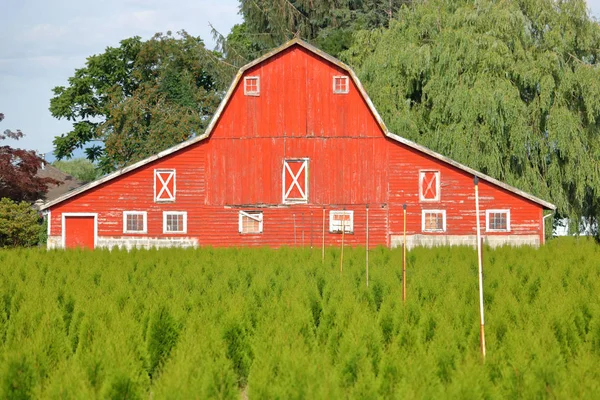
{"x": 340, "y": 84}
{"x": 252, "y": 86}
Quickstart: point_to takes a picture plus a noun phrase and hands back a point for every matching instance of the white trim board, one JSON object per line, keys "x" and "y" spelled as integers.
{"x": 230, "y": 91}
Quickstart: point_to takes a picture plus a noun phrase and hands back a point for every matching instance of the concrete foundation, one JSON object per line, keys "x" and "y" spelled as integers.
{"x": 464, "y": 240}
{"x": 125, "y": 242}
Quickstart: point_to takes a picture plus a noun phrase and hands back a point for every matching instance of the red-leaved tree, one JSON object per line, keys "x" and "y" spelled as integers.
{"x": 18, "y": 169}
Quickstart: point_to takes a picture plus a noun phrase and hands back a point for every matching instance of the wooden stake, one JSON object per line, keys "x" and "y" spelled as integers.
{"x": 404, "y": 259}
{"x": 480, "y": 262}
{"x": 343, "y": 234}
{"x": 295, "y": 242}
{"x": 367, "y": 246}
{"x": 323, "y": 245}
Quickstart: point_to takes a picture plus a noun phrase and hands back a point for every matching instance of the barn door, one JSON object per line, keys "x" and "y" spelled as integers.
{"x": 295, "y": 181}
{"x": 79, "y": 231}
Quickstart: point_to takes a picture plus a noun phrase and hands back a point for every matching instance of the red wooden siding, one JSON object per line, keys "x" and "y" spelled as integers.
{"x": 295, "y": 116}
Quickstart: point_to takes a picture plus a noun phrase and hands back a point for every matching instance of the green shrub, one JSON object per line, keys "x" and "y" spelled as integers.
{"x": 19, "y": 224}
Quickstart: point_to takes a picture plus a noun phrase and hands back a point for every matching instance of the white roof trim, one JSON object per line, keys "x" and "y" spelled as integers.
{"x": 228, "y": 95}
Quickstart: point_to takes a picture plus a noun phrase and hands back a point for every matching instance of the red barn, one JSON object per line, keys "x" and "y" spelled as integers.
{"x": 295, "y": 154}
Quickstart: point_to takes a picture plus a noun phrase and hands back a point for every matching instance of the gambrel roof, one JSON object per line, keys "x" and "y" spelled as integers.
{"x": 333, "y": 60}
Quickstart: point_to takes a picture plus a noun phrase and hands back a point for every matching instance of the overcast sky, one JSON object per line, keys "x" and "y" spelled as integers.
{"x": 42, "y": 42}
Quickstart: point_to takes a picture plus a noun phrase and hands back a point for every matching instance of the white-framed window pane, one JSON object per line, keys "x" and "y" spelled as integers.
{"x": 174, "y": 222}
{"x": 434, "y": 221}
{"x": 251, "y": 86}
{"x": 340, "y": 84}
{"x": 250, "y": 221}
{"x": 498, "y": 220}
{"x": 341, "y": 221}
{"x": 134, "y": 222}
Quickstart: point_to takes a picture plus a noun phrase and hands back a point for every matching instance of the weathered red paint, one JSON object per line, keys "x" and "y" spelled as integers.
{"x": 297, "y": 116}
{"x": 79, "y": 232}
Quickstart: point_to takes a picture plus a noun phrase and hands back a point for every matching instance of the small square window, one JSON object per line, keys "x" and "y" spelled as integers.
{"x": 252, "y": 86}
{"x": 433, "y": 221}
{"x": 497, "y": 220}
{"x": 340, "y": 84}
{"x": 174, "y": 222}
{"x": 429, "y": 185}
{"x": 250, "y": 222}
{"x": 135, "y": 222}
{"x": 341, "y": 220}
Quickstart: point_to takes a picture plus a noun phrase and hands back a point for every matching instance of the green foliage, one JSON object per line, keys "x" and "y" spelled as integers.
{"x": 509, "y": 88}
{"x": 80, "y": 168}
{"x": 19, "y": 224}
{"x": 138, "y": 99}
{"x": 211, "y": 323}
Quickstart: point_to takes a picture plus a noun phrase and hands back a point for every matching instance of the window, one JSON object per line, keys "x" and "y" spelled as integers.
{"x": 250, "y": 222}
{"x": 429, "y": 185}
{"x": 340, "y": 84}
{"x": 164, "y": 185}
{"x": 252, "y": 86}
{"x": 339, "y": 220}
{"x": 174, "y": 222}
{"x": 135, "y": 222}
{"x": 497, "y": 220}
{"x": 433, "y": 221}
{"x": 295, "y": 181}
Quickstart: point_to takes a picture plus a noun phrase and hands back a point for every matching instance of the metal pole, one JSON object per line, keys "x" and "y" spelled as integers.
{"x": 323, "y": 244}
{"x": 367, "y": 246}
{"x": 404, "y": 259}
{"x": 343, "y": 234}
{"x": 295, "y": 243}
{"x": 480, "y": 262}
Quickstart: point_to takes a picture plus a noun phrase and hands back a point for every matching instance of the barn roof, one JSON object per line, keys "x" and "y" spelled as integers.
{"x": 362, "y": 91}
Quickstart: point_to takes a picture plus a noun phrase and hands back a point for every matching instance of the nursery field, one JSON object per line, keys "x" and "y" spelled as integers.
{"x": 231, "y": 323}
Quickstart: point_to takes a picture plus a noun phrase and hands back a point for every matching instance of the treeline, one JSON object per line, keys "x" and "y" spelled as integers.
{"x": 509, "y": 88}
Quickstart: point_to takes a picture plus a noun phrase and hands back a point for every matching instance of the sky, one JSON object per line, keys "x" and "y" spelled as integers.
{"x": 42, "y": 43}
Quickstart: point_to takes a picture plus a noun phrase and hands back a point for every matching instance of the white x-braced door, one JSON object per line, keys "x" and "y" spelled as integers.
{"x": 295, "y": 181}
{"x": 164, "y": 185}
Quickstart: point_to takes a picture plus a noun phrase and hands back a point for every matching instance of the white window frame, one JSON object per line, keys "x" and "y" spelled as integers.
{"x": 255, "y": 215}
{"x": 164, "y": 184}
{"x": 437, "y": 189}
{"x": 347, "y": 84}
{"x": 284, "y": 185}
{"x": 424, "y": 212}
{"x": 349, "y": 229}
{"x": 252, "y": 92}
{"x": 167, "y": 213}
{"x": 144, "y": 213}
{"x": 487, "y": 220}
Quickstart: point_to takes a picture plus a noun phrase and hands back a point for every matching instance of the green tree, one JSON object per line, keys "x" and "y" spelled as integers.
{"x": 329, "y": 24}
{"x": 510, "y": 88}
{"x": 19, "y": 224}
{"x": 80, "y": 168}
{"x": 138, "y": 99}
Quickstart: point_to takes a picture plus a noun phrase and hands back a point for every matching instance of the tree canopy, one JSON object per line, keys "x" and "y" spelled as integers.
{"x": 510, "y": 88}
{"x": 18, "y": 171}
{"x": 138, "y": 99}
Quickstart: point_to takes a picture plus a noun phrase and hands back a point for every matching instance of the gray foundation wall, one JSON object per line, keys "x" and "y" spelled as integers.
{"x": 124, "y": 242}
{"x": 464, "y": 240}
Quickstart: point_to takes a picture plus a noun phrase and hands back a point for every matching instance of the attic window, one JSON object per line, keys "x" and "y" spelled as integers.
{"x": 340, "y": 84}
{"x": 252, "y": 86}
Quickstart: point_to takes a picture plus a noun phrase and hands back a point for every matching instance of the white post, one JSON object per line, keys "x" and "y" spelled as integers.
{"x": 367, "y": 246}
{"x": 480, "y": 262}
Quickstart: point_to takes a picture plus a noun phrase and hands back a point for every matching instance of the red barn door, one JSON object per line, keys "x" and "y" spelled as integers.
{"x": 80, "y": 231}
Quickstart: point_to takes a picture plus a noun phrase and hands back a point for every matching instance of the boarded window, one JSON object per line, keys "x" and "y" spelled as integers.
{"x": 174, "y": 222}
{"x": 250, "y": 222}
{"x": 341, "y": 220}
{"x": 340, "y": 84}
{"x": 429, "y": 185}
{"x": 252, "y": 86}
{"x": 295, "y": 181}
{"x": 433, "y": 221}
{"x": 134, "y": 222}
{"x": 164, "y": 185}
{"x": 497, "y": 220}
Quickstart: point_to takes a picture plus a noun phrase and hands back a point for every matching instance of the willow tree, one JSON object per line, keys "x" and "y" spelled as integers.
{"x": 511, "y": 88}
